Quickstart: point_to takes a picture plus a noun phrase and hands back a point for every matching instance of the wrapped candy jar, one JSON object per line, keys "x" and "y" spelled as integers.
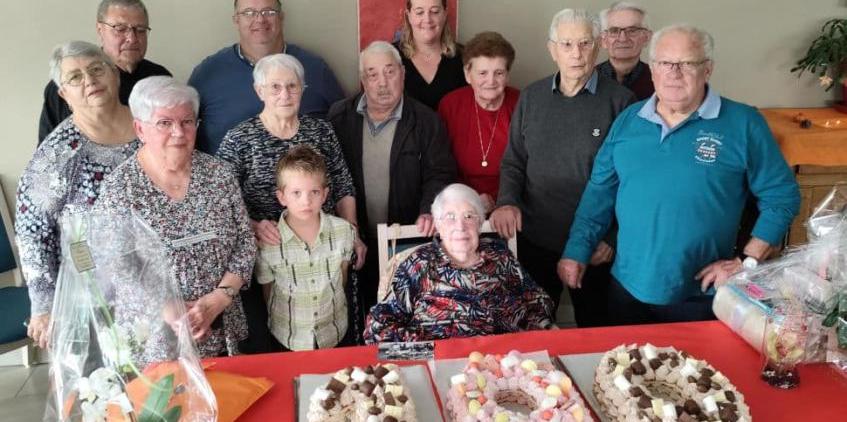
{"x": 784, "y": 346}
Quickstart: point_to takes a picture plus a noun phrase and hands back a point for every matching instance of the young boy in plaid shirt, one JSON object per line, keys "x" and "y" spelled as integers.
{"x": 303, "y": 278}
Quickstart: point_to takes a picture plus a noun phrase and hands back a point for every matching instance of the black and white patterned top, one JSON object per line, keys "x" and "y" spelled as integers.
{"x": 254, "y": 152}
{"x": 65, "y": 174}
{"x": 206, "y": 234}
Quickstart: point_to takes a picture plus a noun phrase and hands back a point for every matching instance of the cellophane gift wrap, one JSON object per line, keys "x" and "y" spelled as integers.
{"x": 811, "y": 278}
{"x": 121, "y": 349}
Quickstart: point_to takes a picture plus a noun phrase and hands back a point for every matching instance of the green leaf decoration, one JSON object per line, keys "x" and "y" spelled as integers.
{"x": 157, "y": 401}
{"x": 173, "y": 414}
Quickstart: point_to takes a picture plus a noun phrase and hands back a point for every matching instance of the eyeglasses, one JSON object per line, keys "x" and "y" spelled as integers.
{"x": 124, "y": 30}
{"x": 683, "y": 66}
{"x": 629, "y": 31}
{"x": 253, "y": 14}
{"x": 468, "y": 217}
{"x": 568, "y": 45}
{"x": 292, "y": 88}
{"x": 94, "y": 71}
{"x": 168, "y": 125}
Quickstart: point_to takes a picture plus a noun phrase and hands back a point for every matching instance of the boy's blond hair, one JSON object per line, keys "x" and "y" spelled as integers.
{"x": 304, "y": 159}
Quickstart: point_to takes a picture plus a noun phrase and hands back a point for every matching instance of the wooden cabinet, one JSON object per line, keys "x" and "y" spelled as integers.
{"x": 817, "y": 151}
{"x": 815, "y": 183}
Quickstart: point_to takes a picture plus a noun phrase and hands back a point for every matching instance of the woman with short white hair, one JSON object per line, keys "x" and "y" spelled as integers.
{"x": 194, "y": 205}
{"x": 459, "y": 285}
{"x": 67, "y": 169}
{"x": 253, "y": 148}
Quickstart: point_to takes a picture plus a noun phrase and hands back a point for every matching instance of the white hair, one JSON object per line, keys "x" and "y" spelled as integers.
{"x": 75, "y": 49}
{"x": 156, "y": 92}
{"x": 703, "y": 39}
{"x": 378, "y": 47}
{"x": 620, "y": 6}
{"x": 574, "y": 16}
{"x": 278, "y": 61}
{"x": 457, "y": 192}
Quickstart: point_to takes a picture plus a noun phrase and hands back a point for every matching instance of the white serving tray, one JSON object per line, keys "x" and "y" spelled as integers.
{"x": 416, "y": 379}
{"x": 581, "y": 368}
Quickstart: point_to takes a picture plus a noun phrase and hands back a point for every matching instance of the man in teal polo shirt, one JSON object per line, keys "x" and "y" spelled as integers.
{"x": 675, "y": 170}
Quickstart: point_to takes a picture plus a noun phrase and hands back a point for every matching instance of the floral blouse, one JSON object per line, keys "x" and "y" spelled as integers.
{"x": 64, "y": 175}
{"x": 207, "y": 234}
{"x": 254, "y": 152}
{"x": 431, "y": 299}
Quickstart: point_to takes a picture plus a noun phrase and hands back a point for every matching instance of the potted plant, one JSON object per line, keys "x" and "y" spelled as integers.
{"x": 827, "y": 56}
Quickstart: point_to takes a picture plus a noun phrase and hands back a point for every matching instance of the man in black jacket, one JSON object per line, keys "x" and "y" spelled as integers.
{"x": 122, "y": 26}
{"x": 397, "y": 150}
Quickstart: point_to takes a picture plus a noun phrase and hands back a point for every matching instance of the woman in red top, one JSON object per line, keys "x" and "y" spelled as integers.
{"x": 477, "y": 116}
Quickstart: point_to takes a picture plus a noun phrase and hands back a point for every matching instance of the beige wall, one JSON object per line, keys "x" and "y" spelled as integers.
{"x": 757, "y": 42}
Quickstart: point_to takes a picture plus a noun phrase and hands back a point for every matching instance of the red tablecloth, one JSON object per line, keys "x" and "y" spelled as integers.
{"x": 821, "y": 396}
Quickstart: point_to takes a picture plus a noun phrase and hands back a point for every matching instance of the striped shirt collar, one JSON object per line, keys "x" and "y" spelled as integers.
{"x": 375, "y": 128}
{"x": 290, "y": 238}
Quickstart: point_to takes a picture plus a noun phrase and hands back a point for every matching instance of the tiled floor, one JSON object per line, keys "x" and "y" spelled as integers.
{"x": 23, "y": 390}
{"x": 23, "y": 393}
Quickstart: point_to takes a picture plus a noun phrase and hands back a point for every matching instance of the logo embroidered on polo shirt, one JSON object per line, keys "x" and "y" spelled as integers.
{"x": 596, "y": 132}
{"x": 707, "y": 146}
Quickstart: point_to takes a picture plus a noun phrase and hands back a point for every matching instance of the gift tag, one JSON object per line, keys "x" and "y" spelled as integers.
{"x": 81, "y": 256}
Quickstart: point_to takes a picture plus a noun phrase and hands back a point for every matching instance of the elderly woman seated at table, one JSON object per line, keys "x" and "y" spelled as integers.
{"x": 479, "y": 137}
{"x": 460, "y": 285}
{"x": 67, "y": 169}
{"x": 193, "y": 203}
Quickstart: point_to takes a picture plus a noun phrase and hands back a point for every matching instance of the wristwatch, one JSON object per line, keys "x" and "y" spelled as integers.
{"x": 748, "y": 262}
{"x": 229, "y": 291}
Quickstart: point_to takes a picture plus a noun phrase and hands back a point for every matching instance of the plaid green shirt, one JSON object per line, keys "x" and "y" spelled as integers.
{"x": 307, "y": 306}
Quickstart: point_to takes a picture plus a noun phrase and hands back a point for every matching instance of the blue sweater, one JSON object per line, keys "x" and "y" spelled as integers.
{"x": 678, "y": 194}
{"x": 227, "y": 98}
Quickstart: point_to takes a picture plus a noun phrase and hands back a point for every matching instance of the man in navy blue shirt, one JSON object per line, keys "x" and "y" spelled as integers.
{"x": 225, "y": 79}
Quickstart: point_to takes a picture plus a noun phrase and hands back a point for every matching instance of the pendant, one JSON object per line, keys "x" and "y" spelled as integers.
{"x": 484, "y": 163}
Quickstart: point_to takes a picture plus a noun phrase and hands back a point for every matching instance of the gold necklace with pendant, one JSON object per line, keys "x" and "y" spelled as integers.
{"x": 485, "y": 150}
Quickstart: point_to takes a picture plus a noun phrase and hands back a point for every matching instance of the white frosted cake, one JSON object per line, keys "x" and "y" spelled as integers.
{"x": 648, "y": 383}
{"x": 374, "y": 393}
{"x": 488, "y": 382}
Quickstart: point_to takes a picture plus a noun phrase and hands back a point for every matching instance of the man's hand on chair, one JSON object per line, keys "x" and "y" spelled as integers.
{"x": 506, "y": 220}
{"x": 425, "y": 225}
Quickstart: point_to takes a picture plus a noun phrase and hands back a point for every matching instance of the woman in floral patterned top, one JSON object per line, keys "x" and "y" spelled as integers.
{"x": 192, "y": 201}
{"x": 459, "y": 286}
{"x": 67, "y": 169}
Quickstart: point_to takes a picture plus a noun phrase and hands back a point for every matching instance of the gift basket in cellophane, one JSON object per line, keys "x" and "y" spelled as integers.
{"x": 121, "y": 349}
{"x": 794, "y": 308}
